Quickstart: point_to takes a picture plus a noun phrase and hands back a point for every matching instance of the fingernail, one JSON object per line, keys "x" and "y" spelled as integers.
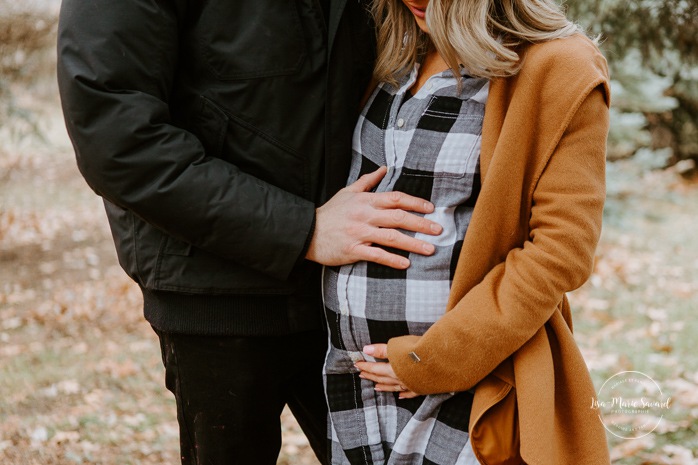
{"x": 361, "y": 375}
{"x": 405, "y": 263}
{"x": 400, "y": 396}
{"x": 428, "y": 248}
{"x": 378, "y": 389}
{"x": 369, "y": 350}
{"x": 435, "y": 228}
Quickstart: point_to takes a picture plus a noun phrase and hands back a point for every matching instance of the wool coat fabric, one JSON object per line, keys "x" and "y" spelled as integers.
{"x": 531, "y": 239}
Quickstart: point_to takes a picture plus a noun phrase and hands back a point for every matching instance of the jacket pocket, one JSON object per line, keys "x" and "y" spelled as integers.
{"x": 262, "y": 155}
{"x": 165, "y": 263}
{"x": 160, "y": 262}
{"x": 244, "y": 40}
{"x": 254, "y": 151}
{"x": 176, "y": 247}
{"x": 123, "y": 229}
{"x": 209, "y": 123}
{"x": 183, "y": 268}
{"x": 494, "y": 431}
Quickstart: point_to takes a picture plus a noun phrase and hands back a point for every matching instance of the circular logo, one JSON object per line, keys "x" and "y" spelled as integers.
{"x": 630, "y": 404}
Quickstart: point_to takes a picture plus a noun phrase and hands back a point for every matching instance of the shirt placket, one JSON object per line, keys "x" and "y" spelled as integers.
{"x": 396, "y": 122}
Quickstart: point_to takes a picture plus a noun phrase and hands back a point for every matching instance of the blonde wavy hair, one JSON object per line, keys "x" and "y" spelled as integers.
{"x": 482, "y": 35}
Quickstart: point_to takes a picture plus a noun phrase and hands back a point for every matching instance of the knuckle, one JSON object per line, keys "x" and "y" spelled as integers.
{"x": 391, "y": 236}
{"x": 348, "y": 250}
{"x": 357, "y": 214}
{"x": 399, "y": 216}
{"x": 373, "y": 254}
{"x": 353, "y": 230}
{"x": 366, "y": 198}
{"x": 394, "y": 197}
{"x": 361, "y": 182}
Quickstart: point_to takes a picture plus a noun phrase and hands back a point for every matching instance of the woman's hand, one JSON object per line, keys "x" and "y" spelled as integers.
{"x": 382, "y": 373}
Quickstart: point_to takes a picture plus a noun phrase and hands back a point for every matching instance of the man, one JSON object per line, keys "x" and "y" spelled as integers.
{"x": 213, "y": 130}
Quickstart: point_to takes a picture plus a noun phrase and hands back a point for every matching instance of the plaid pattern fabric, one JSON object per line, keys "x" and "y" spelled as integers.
{"x": 431, "y": 145}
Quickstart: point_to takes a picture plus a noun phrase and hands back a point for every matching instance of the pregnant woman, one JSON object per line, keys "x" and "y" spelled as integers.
{"x": 497, "y": 112}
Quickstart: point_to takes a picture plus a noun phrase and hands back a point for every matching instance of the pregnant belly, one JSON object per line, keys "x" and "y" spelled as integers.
{"x": 361, "y": 310}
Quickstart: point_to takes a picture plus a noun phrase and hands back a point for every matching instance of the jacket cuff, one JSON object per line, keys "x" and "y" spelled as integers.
{"x": 304, "y": 251}
{"x": 410, "y": 366}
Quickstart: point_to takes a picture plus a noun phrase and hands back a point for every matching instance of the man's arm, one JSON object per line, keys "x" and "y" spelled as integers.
{"x": 117, "y": 62}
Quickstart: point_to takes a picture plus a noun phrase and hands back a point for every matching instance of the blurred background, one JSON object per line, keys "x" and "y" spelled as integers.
{"x": 80, "y": 375}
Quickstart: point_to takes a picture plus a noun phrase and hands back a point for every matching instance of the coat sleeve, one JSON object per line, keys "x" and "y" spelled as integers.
{"x": 117, "y": 62}
{"x": 516, "y": 298}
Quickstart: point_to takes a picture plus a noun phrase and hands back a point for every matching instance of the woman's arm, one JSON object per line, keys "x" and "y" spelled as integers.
{"x": 517, "y": 297}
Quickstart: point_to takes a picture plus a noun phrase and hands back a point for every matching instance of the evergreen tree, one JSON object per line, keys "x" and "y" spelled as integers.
{"x": 652, "y": 48}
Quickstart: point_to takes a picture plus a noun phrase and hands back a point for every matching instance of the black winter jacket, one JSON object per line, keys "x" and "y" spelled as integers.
{"x": 213, "y": 129}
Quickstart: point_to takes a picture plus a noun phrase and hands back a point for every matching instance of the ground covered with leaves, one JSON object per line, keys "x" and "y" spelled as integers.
{"x": 81, "y": 379}
{"x": 638, "y": 310}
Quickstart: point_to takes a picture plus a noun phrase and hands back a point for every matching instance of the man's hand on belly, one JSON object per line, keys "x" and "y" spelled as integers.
{"x": 353, "y": 222}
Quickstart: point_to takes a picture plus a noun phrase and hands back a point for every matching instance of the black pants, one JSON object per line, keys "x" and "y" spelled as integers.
{"x": 230, "y": 392}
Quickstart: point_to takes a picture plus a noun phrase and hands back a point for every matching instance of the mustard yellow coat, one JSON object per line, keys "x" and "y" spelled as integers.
{"x": 532, "y": 237}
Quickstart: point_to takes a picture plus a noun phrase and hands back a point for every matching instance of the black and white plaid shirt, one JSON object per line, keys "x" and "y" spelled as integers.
{"x": 431, "y": 145}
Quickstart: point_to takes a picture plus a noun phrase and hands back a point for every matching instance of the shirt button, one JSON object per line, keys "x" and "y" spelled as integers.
{"x": 344, "y": 309}
{"x": 400, "y": 123}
